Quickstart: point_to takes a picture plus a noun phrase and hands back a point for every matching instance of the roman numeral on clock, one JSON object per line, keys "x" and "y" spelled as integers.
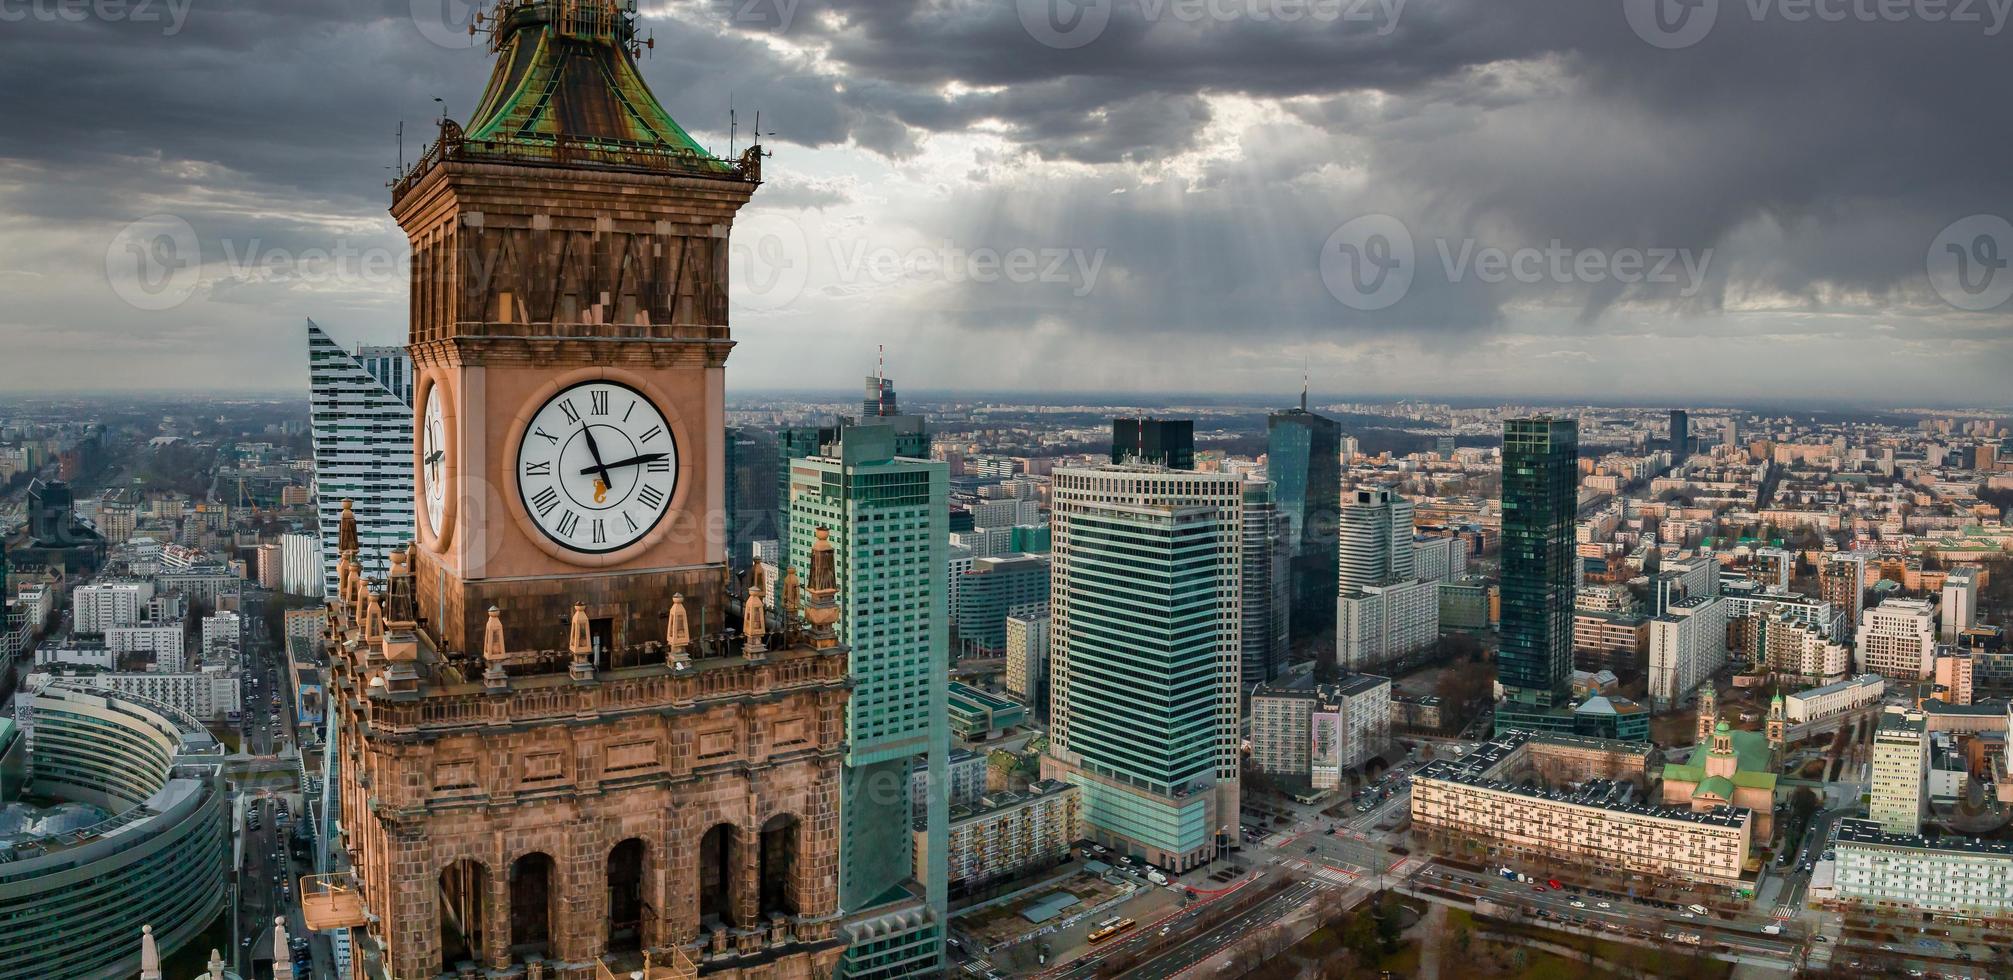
{"x": 545, "y": 500}
{"x": 651, "y": 496}
{"x": 538, "y": 469}
{"x": 600, "y": 533}
{"x": 597, "y": 402}
{"x": 572, "y": 414}
{"x": 655, "y": 431}
{"x": 568, "y": 523}
{"x": 547, "y": 436}
{"x": 657, "y": 466}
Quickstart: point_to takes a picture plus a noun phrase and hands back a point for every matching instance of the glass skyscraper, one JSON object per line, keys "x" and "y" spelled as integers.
{"x": 1144, "y": 651}
{"x": 1166, "y": 442}
{"x": 1540, "y": 501}
{"x": 1303, "y": 458}
{"x": 888, "y": 517}
{"x": 361, "y": 412}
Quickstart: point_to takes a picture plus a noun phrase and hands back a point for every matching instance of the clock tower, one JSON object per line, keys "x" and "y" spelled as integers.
{"x": 566, "y": 743}
{"x": 569, "y": 338}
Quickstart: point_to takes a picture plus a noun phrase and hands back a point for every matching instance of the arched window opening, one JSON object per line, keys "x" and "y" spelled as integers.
{"x": 531, "y": 905}
{"x": 779, "y": 872}
{"x": 626, "y": 907}
{"x": 464, "y": 888}
{"x": 717, "y": 859}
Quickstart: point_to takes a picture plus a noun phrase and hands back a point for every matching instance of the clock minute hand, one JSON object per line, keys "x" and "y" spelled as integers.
{"x": 631, "y": 461}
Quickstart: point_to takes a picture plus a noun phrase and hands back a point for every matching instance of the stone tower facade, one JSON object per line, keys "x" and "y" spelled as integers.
{"x": 562, "y": 752}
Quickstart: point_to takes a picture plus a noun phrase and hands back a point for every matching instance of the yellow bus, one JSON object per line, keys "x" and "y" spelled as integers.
{"x": 1106, "y": 932}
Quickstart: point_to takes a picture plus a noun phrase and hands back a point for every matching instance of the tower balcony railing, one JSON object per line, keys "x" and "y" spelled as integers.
{"x": 332, "y": 902}
{"x": 656, "y": 964}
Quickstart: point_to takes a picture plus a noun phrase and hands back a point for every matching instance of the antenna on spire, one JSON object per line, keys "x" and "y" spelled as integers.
{"x": 881, "y": 361}
{"x": 1303, "y": 387}
{"x": 732, "y": 126}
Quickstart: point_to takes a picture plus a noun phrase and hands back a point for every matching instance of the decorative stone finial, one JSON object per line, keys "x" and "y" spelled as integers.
{"x": 678, "y": 633}
{"x": 579, "y": 638}
{"x": 373, "y": 619}
{"x": 754, "y": 623}
{"x": 493, "y": 650}
{"x": 216, "y": 964}
{"x": 283, "y": 961}
{"x": 150, "y": 955}
{"x": 791, "y": 602}
{"x": 821, "y": 608}
{"x": 346, "y": 539}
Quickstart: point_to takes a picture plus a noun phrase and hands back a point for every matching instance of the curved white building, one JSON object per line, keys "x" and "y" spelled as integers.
{"x": 72, "y": 901}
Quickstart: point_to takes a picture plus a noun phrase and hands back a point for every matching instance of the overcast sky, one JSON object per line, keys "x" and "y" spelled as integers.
{"x": 1461, "y": 197}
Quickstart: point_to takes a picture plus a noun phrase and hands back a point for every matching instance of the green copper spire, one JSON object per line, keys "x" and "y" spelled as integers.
{"x": 565, "y": 89}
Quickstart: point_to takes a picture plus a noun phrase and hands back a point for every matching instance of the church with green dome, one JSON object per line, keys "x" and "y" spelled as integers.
{"x": 1727, "y": 768}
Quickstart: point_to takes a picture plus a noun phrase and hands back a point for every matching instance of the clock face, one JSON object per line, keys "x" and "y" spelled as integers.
{"x": 433, "y": 461}
{"x": 597, "y": 467}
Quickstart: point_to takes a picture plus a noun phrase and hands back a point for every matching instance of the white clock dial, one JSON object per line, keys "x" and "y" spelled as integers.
{"x": 597, "y": 467}
{"x": 433, "y": 461}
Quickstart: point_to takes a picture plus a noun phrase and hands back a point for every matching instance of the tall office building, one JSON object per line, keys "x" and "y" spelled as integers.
{"x": 752, "y": 482}
{"x": 1841, "y": 581}
{"x": 1144, "y": 651}
{"x": 1374, "y": 540}
{"x": 1267, "y": 582}
{"x": 1959, "y": 610}
{"x": 888, "y": 516}
{"x": 1303, "y": 458}
{"x": 361, "y": 406}
{"x": 1164, "y": 442}
{"x": 1897, "y": 639}
{"x": 1540, "y": 501}
{"x": 1680, "y": 435}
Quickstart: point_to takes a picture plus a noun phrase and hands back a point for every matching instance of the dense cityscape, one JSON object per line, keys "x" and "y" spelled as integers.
{"x": 528, "y": 640}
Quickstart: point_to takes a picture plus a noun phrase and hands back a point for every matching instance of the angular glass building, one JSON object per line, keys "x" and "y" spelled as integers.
{"x": 1303, "y": 459}
{"x": 361, "y": 407}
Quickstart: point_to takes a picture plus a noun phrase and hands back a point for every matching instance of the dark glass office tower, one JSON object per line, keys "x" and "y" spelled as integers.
{"x": 1540, "y": 496}
{"x": 1167, "y": 442}
{"x": 1680, "y": 434}
{"x": 1303, "y": 458}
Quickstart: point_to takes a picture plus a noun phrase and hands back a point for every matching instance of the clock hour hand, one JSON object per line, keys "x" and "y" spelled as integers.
{"x": 595, "y": 451}
{"x": 631, "y": 461}
{"x": 434, "y": 457}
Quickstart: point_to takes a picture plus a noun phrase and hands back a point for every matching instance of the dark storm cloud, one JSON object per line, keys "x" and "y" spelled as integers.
{"x": 1816, "y": 160}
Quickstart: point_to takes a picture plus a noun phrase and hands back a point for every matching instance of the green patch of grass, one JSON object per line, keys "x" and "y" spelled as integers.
{"x": 1404, "y": 962}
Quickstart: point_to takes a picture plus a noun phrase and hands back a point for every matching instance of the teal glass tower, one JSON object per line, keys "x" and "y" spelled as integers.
{"x": 1303, "y": 459}
{"x": 1540, "y": 501}
{"x": 888, "y": 517}
{"x": 1145, "y": 642}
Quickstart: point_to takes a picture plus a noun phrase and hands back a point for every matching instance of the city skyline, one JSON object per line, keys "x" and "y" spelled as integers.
{"x": 1154, "y": 182}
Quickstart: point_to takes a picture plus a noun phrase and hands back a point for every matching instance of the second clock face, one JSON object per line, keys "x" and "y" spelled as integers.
{"x": 433, "y": 460}
{"x": 597, "y": 467}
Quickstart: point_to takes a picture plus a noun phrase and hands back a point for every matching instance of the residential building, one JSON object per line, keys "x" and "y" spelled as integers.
{"x": 1540, "y": 499}
{"x": 1006, "y": 835}
{"x": 1465, "y": 602}
{"x": 221, "y": 635}
{"x": 1483, "y": 799}
{"x": 1897, "y": 639}
{"x": 100, "y": 606}
{"x": 209, "y": 694}
{"x": 966, "y": 779}
{"x": 1303, "y": 460}
{"x": 1791, "y": 647}
{"x": 301, "y": 554}
{"x": 1820, "y": 703}
{"x": 1842, "y": 581}
{"x": 1900, "y": 767}
{"x": 162, "y": 640}
{"x": 1379, "y": 624}
{"x": 1959, "y": 608}
{"x": 1687, "y": 646}
{"x": 1609, "y": 640}
{"x": 1440, "y": 558}
{"x": 1351, "y": 724}
{"x": 1964, "y": 878}
{"x": 362, "y": 424}
{"x": 1027, "y": 657}
{"x": 1144, "y": 655}
{"x": 1952, "y": 675}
